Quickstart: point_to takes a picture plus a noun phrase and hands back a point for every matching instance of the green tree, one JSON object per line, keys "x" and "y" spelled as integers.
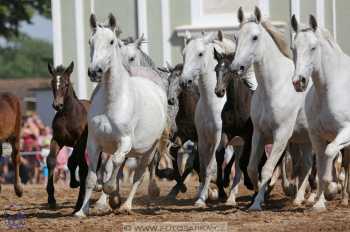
{"x": 25, "y": 57}
{"x": 13, "y": 12}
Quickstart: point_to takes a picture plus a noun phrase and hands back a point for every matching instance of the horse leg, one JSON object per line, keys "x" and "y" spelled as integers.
{"x": 244, "y": 161}
{"x": 93, "y": 153}
{"x": 139, "y": 174}
{"x": 118, "y": 159}
{"x": 346, "y": 165}
{"x": 72, "y": 166}
{"x": 280, "y": 141}
{"x": 153, "y": 189}
{"x": 257, "y": 152}
{"x": 83, "y": 168}
{"x": 207, "y": 166}
{"x": 16, "y": 159}
{"x": 231, "y": 200}
{"x": 51, "y": 164}
{"x": 220, "y": 153}
{"x": 305, "y": 170}
{"x": 323, "y": 162}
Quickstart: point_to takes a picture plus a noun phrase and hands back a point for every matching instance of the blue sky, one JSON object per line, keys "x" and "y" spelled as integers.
{"x": 41, "y": 28}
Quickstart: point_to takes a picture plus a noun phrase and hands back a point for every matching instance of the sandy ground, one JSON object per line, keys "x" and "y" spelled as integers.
{"x": 278, "y": 214}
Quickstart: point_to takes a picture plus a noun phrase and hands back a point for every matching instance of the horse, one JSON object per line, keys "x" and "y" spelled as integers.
{"x": 318, "y": 56}
{"x": 10, "y": 128}
{"x": 127, "y": 115}
{"x": 199, "y": 62}
{"x": 277, "y": 111}
{"x": 69, "y": 128}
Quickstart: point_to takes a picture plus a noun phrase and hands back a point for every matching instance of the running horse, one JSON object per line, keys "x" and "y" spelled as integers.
{"x": 69, "y": 129}
{"x": 10, "y": 127}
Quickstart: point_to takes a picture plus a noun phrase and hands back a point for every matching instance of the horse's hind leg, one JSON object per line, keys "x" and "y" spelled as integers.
{"x": 153, "y": 189}
{"x": 139, "y": 174}
{"x": 346, "y": 186}
{"x": 16, "y": 159}
{"x": 51, "y": 163}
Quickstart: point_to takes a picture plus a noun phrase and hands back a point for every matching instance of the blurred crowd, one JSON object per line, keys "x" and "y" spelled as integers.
{"x": 35, "y": 147}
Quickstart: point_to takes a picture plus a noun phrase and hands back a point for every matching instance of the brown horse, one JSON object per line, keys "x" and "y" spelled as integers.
{"x": 69, "y": 129}
{"x": 10, "y": 127}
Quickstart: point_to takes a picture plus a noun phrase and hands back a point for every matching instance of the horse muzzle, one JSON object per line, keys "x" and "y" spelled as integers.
{"x": 95, "y": 75}
{"x": 300, "y": 83}
{"x": 220, "y": 92}
{"x": 57, "y": 106}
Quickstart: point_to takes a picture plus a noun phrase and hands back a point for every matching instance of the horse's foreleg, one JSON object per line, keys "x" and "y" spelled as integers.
{"x": 278, "y": 147}
{"x": 73, "y": 162}
{"x": 16, "y": 159}
{"x": 118, "y": 159}
{"x": 235, "y": 183}
{"x": 51, "y": 164}
{"x": 207, "y": 166}
{"x": 93, "y": 153}
{"x": 257, "y": 152}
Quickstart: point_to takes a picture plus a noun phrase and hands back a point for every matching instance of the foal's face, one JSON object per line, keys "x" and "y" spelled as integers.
{"x": 223, "y": 72}
{"x": 102, "y": 48}
{"x": 60, "y": 83}
{"x": 306, "y": 50}
{"x": 174, "y": 84}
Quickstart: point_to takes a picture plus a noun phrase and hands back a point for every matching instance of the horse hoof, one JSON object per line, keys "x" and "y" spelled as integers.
{"x": 109, "y": 188}
{"x": 124, "y": 209}
{"x": 98, "y": 188}
{"x": 154, "y": 191}
{"x": 114, "y": 202}
{"x": 345, "y": 202}
{"x": 254, "y": 207}
{"x": 74, "y": 184}
{"x": 297, "y": 202}
{"x": 200, "y": 203}
{"x": 231, "y": 203}
{"x": 213, "y": 194}
{"x": 80, "y": 214}
{"x": 19, "y": 190}
{"x": 319, "y": 206}
{"x": 52, "y": 204}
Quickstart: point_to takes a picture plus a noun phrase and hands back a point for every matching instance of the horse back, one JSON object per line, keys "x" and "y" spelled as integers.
{"x": 10, "y": 116}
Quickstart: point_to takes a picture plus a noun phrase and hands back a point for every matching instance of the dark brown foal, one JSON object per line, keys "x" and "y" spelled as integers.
{"x": 10, "y": 127}
{"x": 69, "y": 129}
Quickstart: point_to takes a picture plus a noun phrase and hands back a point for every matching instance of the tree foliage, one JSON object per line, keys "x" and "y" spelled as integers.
{"x": 14, "y": 12}
{"x": 25, "y": 57}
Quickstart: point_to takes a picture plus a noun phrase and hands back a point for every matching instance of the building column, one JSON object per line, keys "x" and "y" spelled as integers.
{"x": 166, "y": 31}
{"x": 142, "y": 21}
{"x": 320, "y": 12}
{"x": 81, "y": 87}
{"x": 57, "y": 32}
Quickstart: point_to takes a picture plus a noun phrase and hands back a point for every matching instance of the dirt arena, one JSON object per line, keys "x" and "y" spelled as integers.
{"x": 279, "y": 214}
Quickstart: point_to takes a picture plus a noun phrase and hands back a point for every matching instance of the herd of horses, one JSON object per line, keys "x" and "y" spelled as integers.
{"x": 254, "y": 86}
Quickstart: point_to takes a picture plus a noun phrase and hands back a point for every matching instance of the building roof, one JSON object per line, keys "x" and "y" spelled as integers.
{"x": 23, "y": 87}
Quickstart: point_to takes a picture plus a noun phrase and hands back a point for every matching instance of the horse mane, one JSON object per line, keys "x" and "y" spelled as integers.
{"x": 146, "y": 60}
{"x": 278, "y": 38}
{"x": 326, "y": 35}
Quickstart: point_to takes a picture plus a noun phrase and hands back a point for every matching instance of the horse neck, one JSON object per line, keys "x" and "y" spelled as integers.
{"x": 207, "y": 81}
{"x": 116, "y": 81}
{"x": 270, "y": 65}
{"x": 70, "y": 100}
{"x": 187, "y": 103}
{"x": 324, "y": 74}
{"x": 238, "y": 98}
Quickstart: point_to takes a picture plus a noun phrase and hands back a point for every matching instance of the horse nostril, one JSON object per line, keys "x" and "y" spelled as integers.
{"x": 189, "y": 82}
{"x": 171, "y": 101}
{"x": 241, "y": 68}
{"x": 302, "y": 79}
{"x": 99, "y": 70}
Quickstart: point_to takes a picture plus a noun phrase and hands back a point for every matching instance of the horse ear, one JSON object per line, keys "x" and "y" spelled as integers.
{"x": 188, "y": 37}
{"x": 120, "y": 43}
{"x": 217, "y": 55}
{"x": 313, "y": 22}
{"x": 112, "y": 21}
{"x": 257, "y": 13}
{"x": 93, "y": 23}
{"x": 50, "y": 68}
{"x": 220, "y": 36}
{"x": 240, "y": 15}
{"x": 169, "y": 66}
{"x": 139, "y": 41}
{"x": 70, "y": 68}
{"x": 294, "y": 23}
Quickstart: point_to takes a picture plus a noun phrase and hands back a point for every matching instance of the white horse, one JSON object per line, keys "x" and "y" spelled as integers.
{"x": 199, "y": 62}
{"x": 127, "y": 114}
{"x": 277, "y": 111}
{"x": 328, "y": 103}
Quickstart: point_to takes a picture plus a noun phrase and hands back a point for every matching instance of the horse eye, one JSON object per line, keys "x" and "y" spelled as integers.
{"x": 255, "y": 37}
{"x": 313, "y": 49}
{"x": 112, "y": 42}
{"x": 200, "y": 54}
{"x": 132, "y": 59}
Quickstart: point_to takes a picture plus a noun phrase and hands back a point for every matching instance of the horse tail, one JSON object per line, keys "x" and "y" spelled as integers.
{"x": 163, "y": 146}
